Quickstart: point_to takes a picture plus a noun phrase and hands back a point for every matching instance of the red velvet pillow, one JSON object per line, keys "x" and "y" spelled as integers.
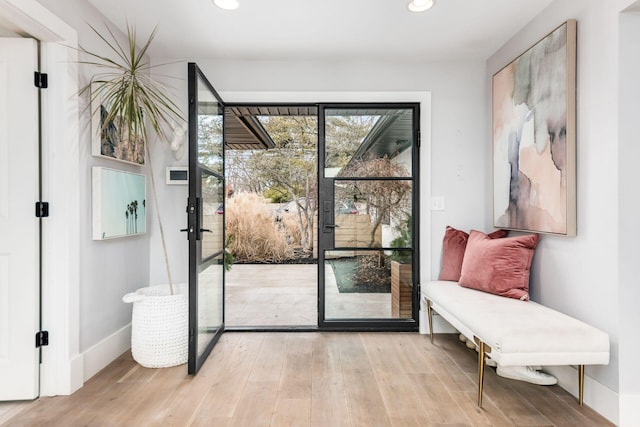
{"x": 453, "y": 246}
{"x": 499, "y": 266}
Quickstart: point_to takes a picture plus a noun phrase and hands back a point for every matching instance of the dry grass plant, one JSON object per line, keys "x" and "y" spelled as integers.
{"x": 291, "y": 228}
{"x": 256, "y": 235}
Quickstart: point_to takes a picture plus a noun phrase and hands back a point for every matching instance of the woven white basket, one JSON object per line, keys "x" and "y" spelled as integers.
{"x": 159, "y": 325}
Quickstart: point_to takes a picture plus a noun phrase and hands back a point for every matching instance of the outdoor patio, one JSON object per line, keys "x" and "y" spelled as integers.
{"x": 286, "y": 295}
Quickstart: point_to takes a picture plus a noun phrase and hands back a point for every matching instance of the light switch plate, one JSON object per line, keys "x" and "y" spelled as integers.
{"x": 437, "y": 203}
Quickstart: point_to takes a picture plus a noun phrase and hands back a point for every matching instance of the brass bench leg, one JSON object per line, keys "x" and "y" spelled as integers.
{"x": 430, "y": 317}
{"x": 480, "y": 371}
{"x": 581, "y": 385}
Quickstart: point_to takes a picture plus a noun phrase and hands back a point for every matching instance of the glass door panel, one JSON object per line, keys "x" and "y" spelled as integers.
{"x": 366, "y": 284}
{"x": 205, "y": 218}
{"x": 372, "y": 213}
{"x": 368, "y": 198}
{"x": 368, "y": 142}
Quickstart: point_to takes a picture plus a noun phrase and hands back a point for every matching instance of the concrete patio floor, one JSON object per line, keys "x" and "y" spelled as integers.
{"x": 286, "y": 295}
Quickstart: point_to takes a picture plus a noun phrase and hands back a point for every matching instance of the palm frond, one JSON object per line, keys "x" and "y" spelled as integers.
{"x": 117, "y": 48}
{"x": 131, "y": 96}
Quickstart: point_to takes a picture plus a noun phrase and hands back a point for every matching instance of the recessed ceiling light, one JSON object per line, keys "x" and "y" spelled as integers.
{"x": 227, "y": 4}
{"x": 420, "y": 5}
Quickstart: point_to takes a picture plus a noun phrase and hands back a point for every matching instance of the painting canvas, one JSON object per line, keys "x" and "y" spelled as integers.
{"x": 534, "y": 134}
{"x": 119, "y": 203}
{"x": 110, "y": 139}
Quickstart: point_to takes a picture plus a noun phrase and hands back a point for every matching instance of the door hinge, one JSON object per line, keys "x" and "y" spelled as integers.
{"x": 42, "y": 209}
{"x": 42, "y": 338}
{"x": 40, "y": 80}
{"x": 419, "y": 138}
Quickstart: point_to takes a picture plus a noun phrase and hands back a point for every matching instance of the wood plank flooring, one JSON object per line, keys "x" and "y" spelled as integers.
{"x": 311, "y": 379}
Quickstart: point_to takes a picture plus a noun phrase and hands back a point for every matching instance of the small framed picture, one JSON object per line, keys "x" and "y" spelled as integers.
{"x": 119, "y": 203}
{"x": 111, "y": 139}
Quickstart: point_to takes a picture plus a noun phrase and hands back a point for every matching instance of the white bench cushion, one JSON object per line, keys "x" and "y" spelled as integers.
{"x": 518, "y": 332}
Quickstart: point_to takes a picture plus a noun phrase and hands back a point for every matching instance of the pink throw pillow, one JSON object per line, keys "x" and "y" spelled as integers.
{"x": 453, "y": 247}
{"x": 499, "y": 266}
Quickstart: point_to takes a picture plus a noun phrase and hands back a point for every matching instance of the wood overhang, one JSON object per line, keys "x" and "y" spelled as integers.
{"x": 243, "y": 130}
{"x": 391, "y": 135}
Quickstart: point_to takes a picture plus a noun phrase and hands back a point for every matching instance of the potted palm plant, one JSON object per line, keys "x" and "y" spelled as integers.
{"x": 137, "y": 103}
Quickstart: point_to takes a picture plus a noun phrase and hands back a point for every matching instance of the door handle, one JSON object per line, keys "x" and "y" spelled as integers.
{"x": 327, "y": 208}
{"x": 189, "y": 231}
{"x": 205, "y": 230}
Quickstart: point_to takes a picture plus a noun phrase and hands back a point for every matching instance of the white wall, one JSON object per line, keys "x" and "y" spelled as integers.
{"x": 5, "y": 32}
{"x": 172, "y": 199}
{"x": 108, "y": 269}
{"x": 455, "y": 170}
{"x": 629, "y": 202}
{"x": 588, "y": 276}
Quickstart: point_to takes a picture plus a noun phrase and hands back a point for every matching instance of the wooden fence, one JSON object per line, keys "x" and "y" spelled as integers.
{"x": 352, "y": 230}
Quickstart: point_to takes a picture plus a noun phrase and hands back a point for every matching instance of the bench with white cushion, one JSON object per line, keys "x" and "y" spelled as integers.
{"x": 514, "y": 332}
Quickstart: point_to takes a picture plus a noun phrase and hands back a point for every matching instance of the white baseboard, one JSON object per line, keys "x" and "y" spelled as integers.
{"x": 629, "y": 410}
{"x": 424, "y": 322}
{"x": 106, "y": 351}
{"x": 440, "y": 326}
{"x": 61, "y": 379}
{"x": 598, "y": 397}
{"x": 76, "y": 374}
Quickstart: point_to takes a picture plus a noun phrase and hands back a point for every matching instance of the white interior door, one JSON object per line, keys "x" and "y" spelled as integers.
{"x": 19, "y": 228}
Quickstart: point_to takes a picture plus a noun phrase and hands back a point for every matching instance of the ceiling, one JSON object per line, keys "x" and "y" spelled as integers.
{"x": 324, "y": 30}
{"x": 318, "y": 30}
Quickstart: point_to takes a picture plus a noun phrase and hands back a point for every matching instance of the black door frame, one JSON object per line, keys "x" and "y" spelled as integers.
{"x": 358, "y": 324}
{"x": 194, "y": 215}
{"x": 326, "y": 240}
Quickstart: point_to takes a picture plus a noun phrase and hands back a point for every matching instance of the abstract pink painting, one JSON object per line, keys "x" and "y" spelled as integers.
{"x": 534, "y": 137}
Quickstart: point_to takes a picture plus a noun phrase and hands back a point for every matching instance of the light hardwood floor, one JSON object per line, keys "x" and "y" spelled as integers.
{"x": 312, "y": 379}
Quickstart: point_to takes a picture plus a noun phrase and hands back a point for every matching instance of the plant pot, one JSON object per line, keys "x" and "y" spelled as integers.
{"x": 159, "y": 325}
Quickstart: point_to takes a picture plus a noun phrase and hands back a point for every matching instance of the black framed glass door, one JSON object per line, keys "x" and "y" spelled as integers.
{"x": 368, "y": 256}
{"x": 205, "y": 218}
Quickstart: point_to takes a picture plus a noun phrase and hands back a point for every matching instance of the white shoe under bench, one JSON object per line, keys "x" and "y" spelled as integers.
{"x": 530, "y": 374}
{"x": 526, "y": 373}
